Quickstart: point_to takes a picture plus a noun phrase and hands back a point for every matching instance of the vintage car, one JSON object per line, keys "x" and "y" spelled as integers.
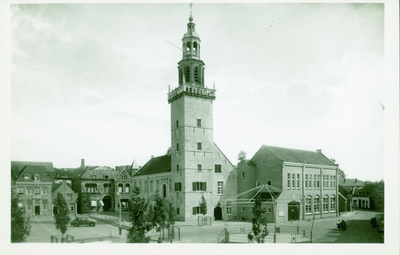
{"x": 83, "y": 221}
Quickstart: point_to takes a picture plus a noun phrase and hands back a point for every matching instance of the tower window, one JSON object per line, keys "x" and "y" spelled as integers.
{"x": 199, "y": 122}
{"x": 188, "y": 46}
{"x": 199, "y": 146}
{"x": 177, "y": 168}
{"x": 177, "y": 147}
{"x": 196, "y": 74}
{"x": 187, "y": 74}
{"x": 195, "y": 46}
{"x": 177, "y": 123}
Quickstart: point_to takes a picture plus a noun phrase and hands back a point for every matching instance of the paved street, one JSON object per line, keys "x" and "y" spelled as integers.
{"x": 324, "y": 231}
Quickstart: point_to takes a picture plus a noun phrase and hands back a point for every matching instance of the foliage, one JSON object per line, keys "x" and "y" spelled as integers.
{"x": 242, "y": 155}
{"x": 159, "y": 216}
{"x": 20, "y": 226}
{"x": 259, "y": 222}
{"x": 203, "y": 205}
{"x": 61, "y": 215}
{"x": 137, "y": 216}
{"x": 341, "y": 174}
{"x": 171, "y": 215}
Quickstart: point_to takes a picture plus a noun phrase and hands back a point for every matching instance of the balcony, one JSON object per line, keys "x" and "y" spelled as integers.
{"x": 191, "y": 90}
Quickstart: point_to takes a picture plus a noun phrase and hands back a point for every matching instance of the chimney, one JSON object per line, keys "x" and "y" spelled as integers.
{"x": 152, "y": 156}
{"x": 319, "y": 150}
{"x": 82, "y": 163}
{"x": 355, "y": 180}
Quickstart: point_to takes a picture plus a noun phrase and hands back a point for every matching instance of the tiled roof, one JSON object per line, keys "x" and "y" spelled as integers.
{"x": 378, "y": 190}
{"x": 99, "y": 174}
{"x": 55, "y": 186}
{"x": 299, "y": 156}
{"x": 156, "y": 165}
{"x": 351, "y": 183}
{"x": 28, "y": 169}
{"x": 41, "y": 166}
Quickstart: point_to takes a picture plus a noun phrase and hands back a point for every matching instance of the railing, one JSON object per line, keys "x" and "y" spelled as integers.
{"x": 191, "y": 91}
{"x": 223, "y": 237}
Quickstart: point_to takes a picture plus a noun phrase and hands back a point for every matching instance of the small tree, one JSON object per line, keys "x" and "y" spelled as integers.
{"x": 159, "y": 216}
{"x": 20, "y": 226}
{"x": 242, "y": 155}
{"x": 171, "y": 216}
{"x": 137, "y": 216}
{"x": 259, "y": 222}
{"x": 203, "y": 206}
{"x": 62, "y": 214}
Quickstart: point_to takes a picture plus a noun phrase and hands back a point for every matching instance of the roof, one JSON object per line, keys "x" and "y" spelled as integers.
{"x": 47, "y": 167}
{"x": 31, "y": 170}
{"x": 55, "y": 186}
{"x": 156, "y": 165}
{"x": 351, "y": 183}
{"x": 99, "y": 174}
{"x": 379, "y": 191}
{"x": 299, "y": 156}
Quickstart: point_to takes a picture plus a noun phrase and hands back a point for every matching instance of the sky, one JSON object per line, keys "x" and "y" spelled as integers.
{"x": 90, "y": 81}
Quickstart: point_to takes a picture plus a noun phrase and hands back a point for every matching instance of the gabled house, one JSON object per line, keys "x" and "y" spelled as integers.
{"x": 377, "y": 197}
{"x": 69, "y": 195}
{"x": 348, "y": 187}
{"x": 123, "y": 189}
{"x": 298, "y": 184}
{"x": 361, "y": 196}
{"x": 34, "y": 189}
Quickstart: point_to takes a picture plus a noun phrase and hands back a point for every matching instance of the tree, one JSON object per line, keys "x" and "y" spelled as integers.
{"x": 203, "y": 205}
{"x": 341, "y": 174}
{"x": 242, "y": 155}
{"x": 137, "y": 216}
{"x": 259, "y": 223}
{"x": 61, "y": 215}
{"x": 159, "y": 216}
{"x": 171, "y": 216}
{"x": 20, "y": 226}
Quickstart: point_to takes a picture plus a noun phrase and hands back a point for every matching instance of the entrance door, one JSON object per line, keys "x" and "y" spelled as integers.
{"x": 293, "y": 210}
{"x": 37, "y": 209}
{"x": 218, "y": 213}
{"x": 107, "y": 203}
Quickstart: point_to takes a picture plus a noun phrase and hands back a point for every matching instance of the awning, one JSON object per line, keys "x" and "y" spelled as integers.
{"x": 93, "y": 203}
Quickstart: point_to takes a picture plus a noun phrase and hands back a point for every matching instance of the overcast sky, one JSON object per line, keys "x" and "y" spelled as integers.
{"x": 90, "y": 81}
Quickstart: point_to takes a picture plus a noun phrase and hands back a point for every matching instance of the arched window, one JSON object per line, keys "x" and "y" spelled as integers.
{"x": 325, "y": 204}
{"x": 188, "y": 46}
{"x": 316, "y": 204}
{"x": 120, "y": 186}
{"x": 187, "y": 74}
{"x": 333, "y": 203}
{"x": 127, "y": 188}
{"x": 91, "y": 187}
{"x": 196, "y": 74}
{"x": 195, "y": 47}
{"x": 308, "y": 205}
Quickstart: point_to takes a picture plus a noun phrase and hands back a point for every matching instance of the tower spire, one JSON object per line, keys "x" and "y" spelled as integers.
{"x": 191, "y": 17}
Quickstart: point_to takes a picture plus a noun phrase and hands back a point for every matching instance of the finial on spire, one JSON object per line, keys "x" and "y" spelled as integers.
{"x": 191, "y": 17}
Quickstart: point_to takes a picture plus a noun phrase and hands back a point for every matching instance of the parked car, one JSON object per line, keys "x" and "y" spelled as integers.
{"x": 83, "y": 221}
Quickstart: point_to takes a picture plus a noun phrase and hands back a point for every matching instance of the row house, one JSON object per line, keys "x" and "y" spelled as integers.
{"x": 298, "y": 184}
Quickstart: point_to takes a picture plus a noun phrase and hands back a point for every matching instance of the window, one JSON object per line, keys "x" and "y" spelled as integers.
{"x": 220, "y": 187}
{"x": 20, "y": 190}
{"x": 36, "y": 177}
{"x": 44, "y": 204}
{"x": 229, "y": 208}
{"x": 199, "y": 186}
{"x": 199, "y": 167}
{"x": 217, "y": 168}
{"x": 269, "y": 182}
{"x": 127, "y": 188}
{"x": 242, "y": 174}
{"x": 316, "y": 204}
{"x": 308, "y": 205}
{"x": 107, "y": 187}
{"x": 177, "y": 123}
{"x": 258, "y": 183}
{"x": 333, "y": 204}
{"x": 177, "y": 211}
{"x": 334, "y": 182}
{"x": 44, "y": 191}
{"x": 325, "y": 204}
{"x": 306, "y": 181}
{"x": 269, "y": 210}
{"x": 29, "y": 192}
{"x": 177, "y": 147}
{"x": 243, "y": 209}
{"x": 199, "y": 122}
{"x": 69, "y": 196}
{"x": 120, "y": 186}
{"x": 177, "y": 168}
{"x": 288, "y": 181}
{"x": 298, "y": 181}
{"x": 318, "y": 181}
{"x": 199, "y": 146}
{"x": 178, "y": 186}
{"x": 315, "y": 181}
{"x": 29, "y": 205}
{"x": 26, "y": 176}
{"x": 37, "y": 191}
{"x": 196, "y": 210}
{"x": 72, "y": 206}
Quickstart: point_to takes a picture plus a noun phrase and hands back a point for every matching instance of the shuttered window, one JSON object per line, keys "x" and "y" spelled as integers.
{"x": 199, "y": 186}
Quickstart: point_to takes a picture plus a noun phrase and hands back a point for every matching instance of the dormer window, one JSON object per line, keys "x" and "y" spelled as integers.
{"x": 36, "y": 177}
{"x": 26, "y": 176}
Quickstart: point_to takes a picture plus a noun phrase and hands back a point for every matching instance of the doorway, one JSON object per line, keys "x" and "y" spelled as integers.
{"x": 37, "y": 209}
{"x": 218, "y": 213}
{"x": 293, "y": 210}
{"x": 107, "y": 203}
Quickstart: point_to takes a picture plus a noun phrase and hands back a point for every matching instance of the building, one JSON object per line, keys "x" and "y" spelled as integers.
{"x": 298, "y": 184}
{"x": 69, "y": 195}
{"x": 34, "y": 189}
{"x": 377, "y": 197}
{"x": 195, "y": 166}
{"x": 348, "y": 187}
